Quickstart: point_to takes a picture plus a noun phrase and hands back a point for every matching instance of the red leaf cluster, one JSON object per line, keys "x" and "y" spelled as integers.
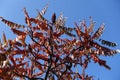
{"x": 49, "y": 49}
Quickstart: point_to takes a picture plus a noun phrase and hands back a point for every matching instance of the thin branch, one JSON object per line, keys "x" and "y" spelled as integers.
{"x": 51, "y": 54}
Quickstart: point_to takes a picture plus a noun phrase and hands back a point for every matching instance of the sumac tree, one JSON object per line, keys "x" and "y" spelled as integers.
{"x": 48, "y": 49}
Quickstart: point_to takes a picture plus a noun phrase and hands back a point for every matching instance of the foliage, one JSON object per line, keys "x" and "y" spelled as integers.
{"x": 49, "y": 55}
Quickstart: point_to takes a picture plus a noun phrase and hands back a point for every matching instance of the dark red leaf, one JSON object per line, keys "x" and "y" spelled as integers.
{"x": 53, "y": 18}
{"x": 18, "y": 32}
{"x": 37, "y": 35}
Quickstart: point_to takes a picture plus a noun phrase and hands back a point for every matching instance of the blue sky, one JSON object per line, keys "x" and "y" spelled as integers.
{"x": 102, "y": 11}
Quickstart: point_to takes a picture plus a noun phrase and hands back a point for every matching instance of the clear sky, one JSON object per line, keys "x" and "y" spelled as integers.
{"x": 102, "y": 11}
